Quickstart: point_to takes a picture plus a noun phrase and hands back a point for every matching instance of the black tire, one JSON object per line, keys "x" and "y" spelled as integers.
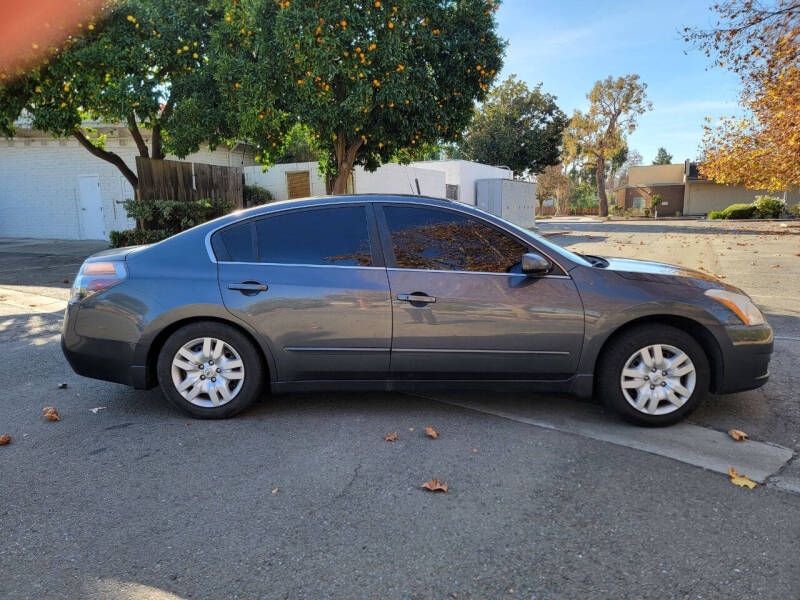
{"x": 617, "y": 353}
{"x": 251, "y": 387}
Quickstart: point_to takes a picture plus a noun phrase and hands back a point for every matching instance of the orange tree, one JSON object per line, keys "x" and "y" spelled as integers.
{"x": 142, "y": 63}
{"x": 369, "y": 78}
{"x": 761, "y": 43}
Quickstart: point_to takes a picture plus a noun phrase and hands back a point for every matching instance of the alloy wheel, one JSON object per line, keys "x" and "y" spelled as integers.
{"x": 658, "y": 379}
{"x": 207, "y": 372}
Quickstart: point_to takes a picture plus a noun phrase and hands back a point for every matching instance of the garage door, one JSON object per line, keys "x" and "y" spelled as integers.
{"x": 298, "y": 184}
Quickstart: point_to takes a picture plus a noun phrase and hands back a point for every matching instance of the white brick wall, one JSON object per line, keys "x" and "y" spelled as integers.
{"x": 39, "y": 184}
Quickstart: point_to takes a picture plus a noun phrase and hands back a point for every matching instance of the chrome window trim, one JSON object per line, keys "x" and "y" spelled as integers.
{"x": 270, "y": 264}
{"x": 383, "y": 201}
{"x": 478, "y": 273}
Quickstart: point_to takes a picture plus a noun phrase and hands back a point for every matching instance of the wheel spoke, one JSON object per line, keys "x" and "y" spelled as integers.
{"x": 218, "y": 348}
{"x": 231, "y": 364}
{"x": 658, "y": 355}
{"x": 679, "y": 389}
{"x": 182, "y": 364}
{"x": 681, "y": 371}
{"x": 187, "y": 383}
{"x": 206, "y": 347}
{"x": 189, "y": 355}
{"x": 212, "y": 394}
{"x": 646, "y": 357}
{"x": 224, "y": 391}
{"x": 674, "y": 399}
{"x": 633, "y": 374}
{"x": 642, "y": 397}
{"x": 232, "y": 374}
{"x": 194, "y": 392}
{"x": 655, "y": 398}
{"x": 632, "y": 383}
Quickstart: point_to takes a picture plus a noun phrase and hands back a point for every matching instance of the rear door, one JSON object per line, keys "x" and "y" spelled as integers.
{"x": 463, "y": 309}
{"x": 312, "y": 282}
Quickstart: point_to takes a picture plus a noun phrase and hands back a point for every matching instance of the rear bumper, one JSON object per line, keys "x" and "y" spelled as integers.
{"x": 746, "y": 358}
{"x": 100, "y": 358}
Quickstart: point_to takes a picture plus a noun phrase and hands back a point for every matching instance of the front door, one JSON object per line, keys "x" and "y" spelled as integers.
{"x": 309, "y": 282}
{"x": 463, "y": 310}
{"x": 91, "y": 208}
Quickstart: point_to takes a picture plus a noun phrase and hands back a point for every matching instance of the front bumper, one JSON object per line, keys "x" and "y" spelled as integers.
{"x": 745, "y": 358}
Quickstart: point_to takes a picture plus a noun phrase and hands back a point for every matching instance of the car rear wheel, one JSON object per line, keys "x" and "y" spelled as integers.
{"x": 210, "y": 370}
{"x": 653, "y": 375}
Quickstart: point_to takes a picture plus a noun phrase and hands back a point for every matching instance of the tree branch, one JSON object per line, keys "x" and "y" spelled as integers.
{"x": 107, "y": 156}
{"x": 156, "y": 141}
{"x": 137, "y": 135}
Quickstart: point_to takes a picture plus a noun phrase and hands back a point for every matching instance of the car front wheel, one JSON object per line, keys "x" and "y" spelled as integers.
{"x": 653, "y": 375}
{"x": 210, "y": 370}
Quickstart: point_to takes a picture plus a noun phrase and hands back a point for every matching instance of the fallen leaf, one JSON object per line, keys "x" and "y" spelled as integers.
{"x": 740, "y": 480}
{"x": 411, "y": 429}
{"x": 275, "y": 491}
{"x": 435, "y": 485}
{"x": 97, "y": 409}
{"x": 5, "y": 439}
{"x": 738, "y": 435}
{"x": 50, "y": 413}
{"x": 775, "y": 266}
{"x": 431, "y": 432}
{"x": 390, "y": 437}
{"x": 62, "y": 386}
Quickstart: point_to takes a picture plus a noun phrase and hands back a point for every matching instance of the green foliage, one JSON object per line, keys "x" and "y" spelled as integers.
{"x": 137, "y": 237}
{"x": 299, "y": 145}
{"x": 517, "y": 127}
{"x": 140, "y": 61}
{"x": 367, "y": 79}
{"x": 662, "y": 157}
{"x": 255, "y": 195}
{"x": 582, "y": 195}
{"x": 159, "y": 219}
{"x": 795, "y": 210}
{"x": 769, "y": 207}
{"x": 736, "y": 211}
{"x": 655, "y": 201}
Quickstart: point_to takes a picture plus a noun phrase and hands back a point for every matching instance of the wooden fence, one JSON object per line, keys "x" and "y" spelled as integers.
{"x": 175, "y": 180}
{"x": 572, "y": 210}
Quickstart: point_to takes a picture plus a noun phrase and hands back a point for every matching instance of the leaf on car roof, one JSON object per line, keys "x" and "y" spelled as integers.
{"x": 5, "y": 439}
{"x": 431, "y": 432}
{"x": 435, "y": 485}
{"x": 738, "y": 435}
{"x": 740, "y": 480}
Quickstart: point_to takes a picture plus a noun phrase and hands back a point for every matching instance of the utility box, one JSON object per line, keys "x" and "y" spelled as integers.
{"x": 509, "y": 199}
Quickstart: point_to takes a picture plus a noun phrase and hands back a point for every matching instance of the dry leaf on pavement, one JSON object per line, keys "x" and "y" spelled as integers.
{"x": 390, "y": 437}
{"x": 435, "y": 485}
{"x": 5, "y": 439}
{"x": 275, "y": 491}
{"x": 431, "y": 432}
{"x": 740, "y": 480}
{"x": 738, "y": 435}
{"x": 50, "y": 413}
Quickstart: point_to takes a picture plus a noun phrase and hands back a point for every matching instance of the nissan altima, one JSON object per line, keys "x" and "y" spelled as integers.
{"x": 404, "y": 293}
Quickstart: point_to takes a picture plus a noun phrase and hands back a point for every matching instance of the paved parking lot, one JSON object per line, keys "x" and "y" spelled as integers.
{"x": 301, "y": 497}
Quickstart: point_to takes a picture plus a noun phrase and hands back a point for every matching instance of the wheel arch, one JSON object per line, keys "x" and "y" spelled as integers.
{"x": 161, "y": 337}
{"x": 697, "y": 330}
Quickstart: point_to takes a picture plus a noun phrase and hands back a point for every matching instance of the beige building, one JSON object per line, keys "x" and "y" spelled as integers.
{"x": 683, "y": 191}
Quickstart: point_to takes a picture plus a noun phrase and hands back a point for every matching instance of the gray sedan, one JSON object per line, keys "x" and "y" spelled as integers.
{"x": 403, "y": 293}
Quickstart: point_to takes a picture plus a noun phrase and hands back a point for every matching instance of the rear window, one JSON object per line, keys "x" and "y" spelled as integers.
{"x": 323, "y": 236}
{"x": 235, "y": 243}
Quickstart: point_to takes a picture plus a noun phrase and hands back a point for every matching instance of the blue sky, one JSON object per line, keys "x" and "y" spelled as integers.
{"x": 568, "y": 45}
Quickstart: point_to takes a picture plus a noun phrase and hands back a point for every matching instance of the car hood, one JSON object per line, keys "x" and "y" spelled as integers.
{"x": 644, "y": 270}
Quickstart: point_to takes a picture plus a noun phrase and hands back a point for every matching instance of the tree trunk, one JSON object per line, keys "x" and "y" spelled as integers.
{"x": 345, "y": 159}
{"x": 602, "y": 199}
{"x": 110, "y": 157}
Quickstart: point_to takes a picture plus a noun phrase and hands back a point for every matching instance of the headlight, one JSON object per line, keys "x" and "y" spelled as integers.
{"x": 96, "y": 277}
{"x": 739, "y": 304}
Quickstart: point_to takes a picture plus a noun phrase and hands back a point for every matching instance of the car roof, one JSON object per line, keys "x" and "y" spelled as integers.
{"x": 354, "y": 198}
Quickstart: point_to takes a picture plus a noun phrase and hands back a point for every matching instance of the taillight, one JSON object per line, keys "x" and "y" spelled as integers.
{"x": 96, "y": 277}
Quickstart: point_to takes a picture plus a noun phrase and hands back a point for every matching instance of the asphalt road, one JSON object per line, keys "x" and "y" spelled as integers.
{"x": 301, "y": 497}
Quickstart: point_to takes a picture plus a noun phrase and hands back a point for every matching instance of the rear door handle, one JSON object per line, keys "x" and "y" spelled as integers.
{"x": 416, "y": 298}
{"x": 248, "y": 286}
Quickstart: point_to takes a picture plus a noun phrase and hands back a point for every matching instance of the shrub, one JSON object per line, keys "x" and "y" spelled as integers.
{"x": 716, "y": 214}
{"x": 740, "y": 211}
{"x": 795, "y": 210}
{"x": 159, "y": 219}
{"x": 768, "y": 207}
{"x": 255, "y": 195}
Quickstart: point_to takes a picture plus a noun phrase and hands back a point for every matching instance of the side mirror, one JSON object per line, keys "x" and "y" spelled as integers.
{"x": 534, "y": 263}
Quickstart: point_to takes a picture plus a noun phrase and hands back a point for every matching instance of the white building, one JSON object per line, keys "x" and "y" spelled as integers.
{"x": 53, "y": 188}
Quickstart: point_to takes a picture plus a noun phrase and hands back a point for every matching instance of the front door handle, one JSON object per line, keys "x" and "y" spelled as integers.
{"x": 245, "y": 287}
{"x": 416, "y": 297}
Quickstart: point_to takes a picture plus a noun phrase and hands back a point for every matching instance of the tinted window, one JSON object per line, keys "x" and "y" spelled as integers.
{"x": 235, "y": 243}
{"x": 325, "y": 236}
{"x": 444, "y": 240}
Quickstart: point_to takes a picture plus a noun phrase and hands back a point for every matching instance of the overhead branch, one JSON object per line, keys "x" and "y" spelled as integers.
{"x": 137, "y": 135}
{"x": 107, "y": 156}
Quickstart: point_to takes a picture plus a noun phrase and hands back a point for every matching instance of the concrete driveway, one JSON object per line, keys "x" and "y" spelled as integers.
{"x": 301, "y": 497}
